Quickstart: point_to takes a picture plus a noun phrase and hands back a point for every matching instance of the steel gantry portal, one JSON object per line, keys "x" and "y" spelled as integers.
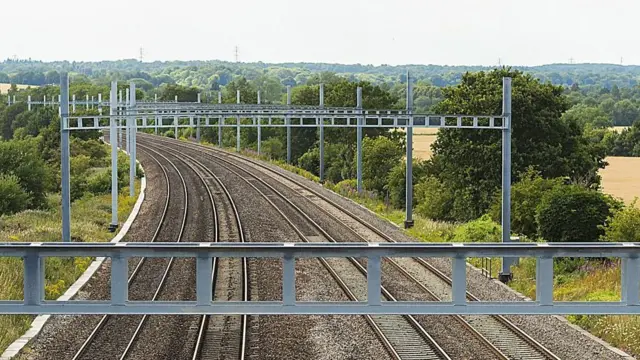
{"x": 131, "y": 116}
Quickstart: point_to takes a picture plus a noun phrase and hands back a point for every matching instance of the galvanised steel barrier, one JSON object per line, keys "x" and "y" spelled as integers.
{"x": 35, "y": 253}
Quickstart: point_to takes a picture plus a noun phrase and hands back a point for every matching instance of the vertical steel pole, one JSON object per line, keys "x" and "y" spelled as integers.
{"x": 238, "y": 123}
{"x": 114, "y": 156}
{"x": 198, "y": 130}
{"x": 506, "y": 174}
{"x": 44, "y": 100}
{"x": 359, "y": 139}
{"x": 131, "y": 122}
{"x": 220, "y": 120}
{"x": 321, "y": 134}
{"x": 155, "y": 98}
{"x": 288, "y": 123}
{"x": 259, "y": 129}
{"x": 176, "y": 98}
{"x": 100, "y": 104}
{"x": 199, "y": 97}
{"x": 408, "y": 222}
{"x": 92, "y": 101}
{"x": 65, "y": 158}
{"x": 29, "y": 102}
{"x": 175, "y": 127}
{"x": 73, "y": 104}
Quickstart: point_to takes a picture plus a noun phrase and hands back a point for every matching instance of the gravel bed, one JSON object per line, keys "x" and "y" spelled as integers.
{"x": 552, "y": 331}
{"x": 170, "y": 337}
{"x": 292, "y": 337}
{"x": 62, "y": 335}
{"x": 449, "y": 334}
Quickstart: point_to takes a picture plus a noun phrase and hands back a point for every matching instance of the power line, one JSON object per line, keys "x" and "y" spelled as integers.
{"x": 236, "y": 53}
{"x": 141, "y": 54}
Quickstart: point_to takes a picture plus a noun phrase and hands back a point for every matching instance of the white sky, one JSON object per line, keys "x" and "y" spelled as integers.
{"x": 446, "y": 32}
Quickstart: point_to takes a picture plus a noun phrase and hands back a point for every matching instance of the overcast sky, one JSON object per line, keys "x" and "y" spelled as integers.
{"x": 453, "y": 32}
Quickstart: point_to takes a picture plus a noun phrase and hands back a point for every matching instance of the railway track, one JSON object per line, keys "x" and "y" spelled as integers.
{"x": 106, "y": 325}
{"x": 504, "y": 338}
{"x": 403, "y": 336}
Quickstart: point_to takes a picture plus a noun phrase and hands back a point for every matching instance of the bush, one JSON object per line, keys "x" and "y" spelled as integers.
{"x": 310, "y": 161}
{"x": 273, "y": 148}
{"x": 624, "y": 225}
{"x": 434, "y": 201}
{"x": 169, "y": 134}
{"x": 22, "y": 159}
{"x": 525, "y": 198}
{"x": 572, "y": 213}
{"x": 480, "y": 230}
{"x": 396, "y": 182}
{"x": 100, "y": 182}
{"x": 347, "y": 187}
{"x": 13, "y": 198}
{"x": 379, "y": 156}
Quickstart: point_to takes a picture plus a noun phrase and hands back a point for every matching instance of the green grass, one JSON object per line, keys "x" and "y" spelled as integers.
{"x": 90, "y": 217}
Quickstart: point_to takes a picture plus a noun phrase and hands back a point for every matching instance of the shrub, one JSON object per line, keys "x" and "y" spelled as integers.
{"x": 22, "y": 159}
{"x": 624, "y": 225}
{"x": 525, "y": 198}
{"x": 273, "y": 149}
{"x": 480, "y": 230}
{"x": 13, "y": 198}
{"x": 100, "y": 182}
{"x": 434, "y": 201}
{"x": 396, "y": 182}
{"x": 347, "y": 187}
{"x": 572, "y": 213}
{"x": 310, "y": 161}
{"x": 169, "y": 133}
{"x": 379, "y": 156}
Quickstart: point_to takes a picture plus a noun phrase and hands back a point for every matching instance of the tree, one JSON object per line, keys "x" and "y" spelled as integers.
{"x": 468, "y": 162}
{"x": 13, "y": 198}
{"x": 526, "y": 195}
{"x": 625, "y": 113}
{"x": 624, "y": 225}
{"x": 22, "y": 159}
{"x": 588, "y": 116}
{"x": 572, "y": 213}
{"x": 379, "y": 156}
{"x": 169, "y": 92}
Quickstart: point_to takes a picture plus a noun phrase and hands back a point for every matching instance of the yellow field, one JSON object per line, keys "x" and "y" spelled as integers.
{"x": 622, "y": 177}
{"x": 5, "y": 87}
{"x": 422, "y": 140}
{"x": 619, "y": 129}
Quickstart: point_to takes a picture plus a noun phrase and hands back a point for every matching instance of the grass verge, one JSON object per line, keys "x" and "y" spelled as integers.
{"x": 90, "y": 218}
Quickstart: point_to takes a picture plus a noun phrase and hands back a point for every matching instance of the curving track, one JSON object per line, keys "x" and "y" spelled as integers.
{"x": 499, "y": 337}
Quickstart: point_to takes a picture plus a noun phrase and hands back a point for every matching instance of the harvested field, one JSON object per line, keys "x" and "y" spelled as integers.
{"x": 5, "y": 87}
{"x": 422, "y": 140}
{"x": 622, "y": 177}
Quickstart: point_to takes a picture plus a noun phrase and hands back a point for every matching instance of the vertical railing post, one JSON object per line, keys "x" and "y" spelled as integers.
{"x": 114, "y": 156}
{"x": 204, "y": 277}
{"x": 544, "y": 280}
{"x": 29, "y": 102}
{"x": 288, "y": 280}
{"x": 237, "y": 123}
{"x": 73, "y": 104}
{"x": 175, "y": 127}
{"x": 259, "y": 129}
{"x": 459, "y": 281}
{"x": 65, "y": 157}
{"x": 630, "y": 283}
{"x": 199, "y": 98}
{"x": 131, "y": 122}
{"x": 198, "y": 129}
{"x": 100, "y": 104}
{"x": 288, "y": 124}
{"x": 359, "y": 139}
{"x": 408, "y": 222}
{"x": 33, "y": 281}
{"x": 119, "y": 280}
{"x": 374, "y": 280}
{"x": 321, "y": 140}
{"x": 505, "y": 273}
